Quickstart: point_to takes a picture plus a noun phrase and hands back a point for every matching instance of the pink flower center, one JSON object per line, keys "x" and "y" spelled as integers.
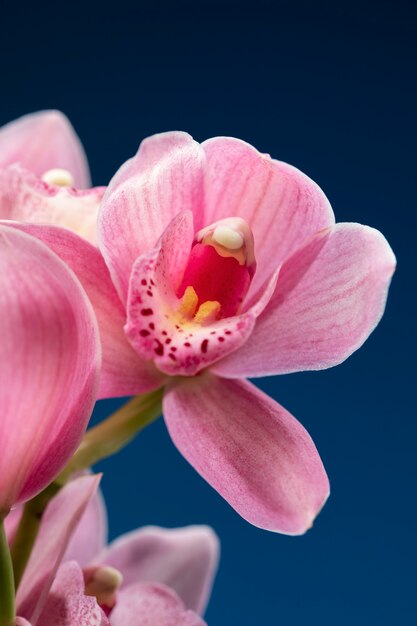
{"x": 218, "y": 273}
{"x": 185, "y": 304}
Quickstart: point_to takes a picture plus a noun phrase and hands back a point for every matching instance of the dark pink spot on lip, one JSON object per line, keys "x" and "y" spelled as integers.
{"x": 146, "y": 312}
{"x": 144, "y": 281}
{"x": 173, "y": 349}
{"x": 152, "y": 326}
{"x": 227, "y": 332}
{"x": 187, "y": 344}
{"x": 204, "y": 345}
{"x": 167, "y": 341}
{"x": 220, "y": 338}
{"x": 149, "y": 293}
{"x": 172, "y": 356}
{"x": 159, "y": 350}
{"x": 144, "y": 333}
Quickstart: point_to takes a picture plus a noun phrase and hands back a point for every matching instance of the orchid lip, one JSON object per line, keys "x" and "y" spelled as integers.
{"x": 186, "y": 299}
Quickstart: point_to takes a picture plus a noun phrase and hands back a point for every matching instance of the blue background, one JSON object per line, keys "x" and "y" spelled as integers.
{"x": 330, "y": 88}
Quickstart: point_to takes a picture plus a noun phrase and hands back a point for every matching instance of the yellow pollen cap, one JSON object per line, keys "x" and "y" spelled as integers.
{"x": 58, "y": 177}
{"x": 104, "y": 584}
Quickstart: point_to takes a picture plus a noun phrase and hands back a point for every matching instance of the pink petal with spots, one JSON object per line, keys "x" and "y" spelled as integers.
{"x": 150, "y": 604}
{"x": 50, "y": 365}
{"x": 58, "y": 524}
{"x": 330, "y": 296}
{"x": 155, "y": 328}
{"x": 26, "y": 198}
{"x": 43, "y": 141}
{"x": 67, "y": 605}
{"x": 164, "y": 178}
{"x": 282, "y": 205}
{"x": 250, "y": 449}
{"x": 123, "y": 372}
{"x": 184, "y": 559}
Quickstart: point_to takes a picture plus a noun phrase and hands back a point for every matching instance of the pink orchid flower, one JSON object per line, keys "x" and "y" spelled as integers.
{"x": 50, "y": 365}
{"x": 151, "y": 575}
{"x": 145, "y": 605}
{"x": 41, "y": 163}
{"x": 44, "y": 141}
{"x": 50, "y": 594}
{"x": 216, "y": 263}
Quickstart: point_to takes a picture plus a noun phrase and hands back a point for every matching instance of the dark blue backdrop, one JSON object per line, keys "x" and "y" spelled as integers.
{"x": 331, "y": 90}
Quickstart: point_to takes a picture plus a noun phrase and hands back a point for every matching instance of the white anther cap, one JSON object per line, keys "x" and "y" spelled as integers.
{"x": 58, "y": 177}
{"x": 227, "y": 237}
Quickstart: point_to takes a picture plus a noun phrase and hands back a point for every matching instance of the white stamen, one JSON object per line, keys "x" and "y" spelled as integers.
{"x": 103, "y": 584}
{"x": 108, "y": 578}
{"x": 227, "y": 237}
{"x": 58, "y": 177}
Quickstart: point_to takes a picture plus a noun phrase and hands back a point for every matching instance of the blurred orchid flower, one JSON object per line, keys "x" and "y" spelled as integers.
{"x": 59, "y": 522}
{"x": 151, "y": 575}
{"x": 50, "y": 361}
{"x": 44, "y": 141}
{"x": 41, "y": 163}
{"x": 219, "y": 263}
{"x": 66, "y": 603}
{"x": 146, "y": 604}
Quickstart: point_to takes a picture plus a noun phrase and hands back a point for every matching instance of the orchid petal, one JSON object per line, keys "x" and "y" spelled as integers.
{"x": 43, "y": 141}
{"x": 90, "y": 535}
{"x": 184, "y": 559}
{"x": 58, "y": 524}
{"x": 282, "y": 205}
{"x": 154, "y": 325}
{"x": 150, "y": 604}
{"x": 123, "y": 373}
{"x": 165, "y": 177}
{"x": 330, "y": 296}
{"x": 250, "y": 449}
{"x": 67, "y": 605}
{"x": 26, "y": 198}
{"x": 50, "y": 360}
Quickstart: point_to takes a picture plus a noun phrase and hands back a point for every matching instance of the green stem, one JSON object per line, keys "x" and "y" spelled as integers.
{"x": 28, "y": 529}
{"x": 114, "y": 433}
{"x": 7, "y": 589}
